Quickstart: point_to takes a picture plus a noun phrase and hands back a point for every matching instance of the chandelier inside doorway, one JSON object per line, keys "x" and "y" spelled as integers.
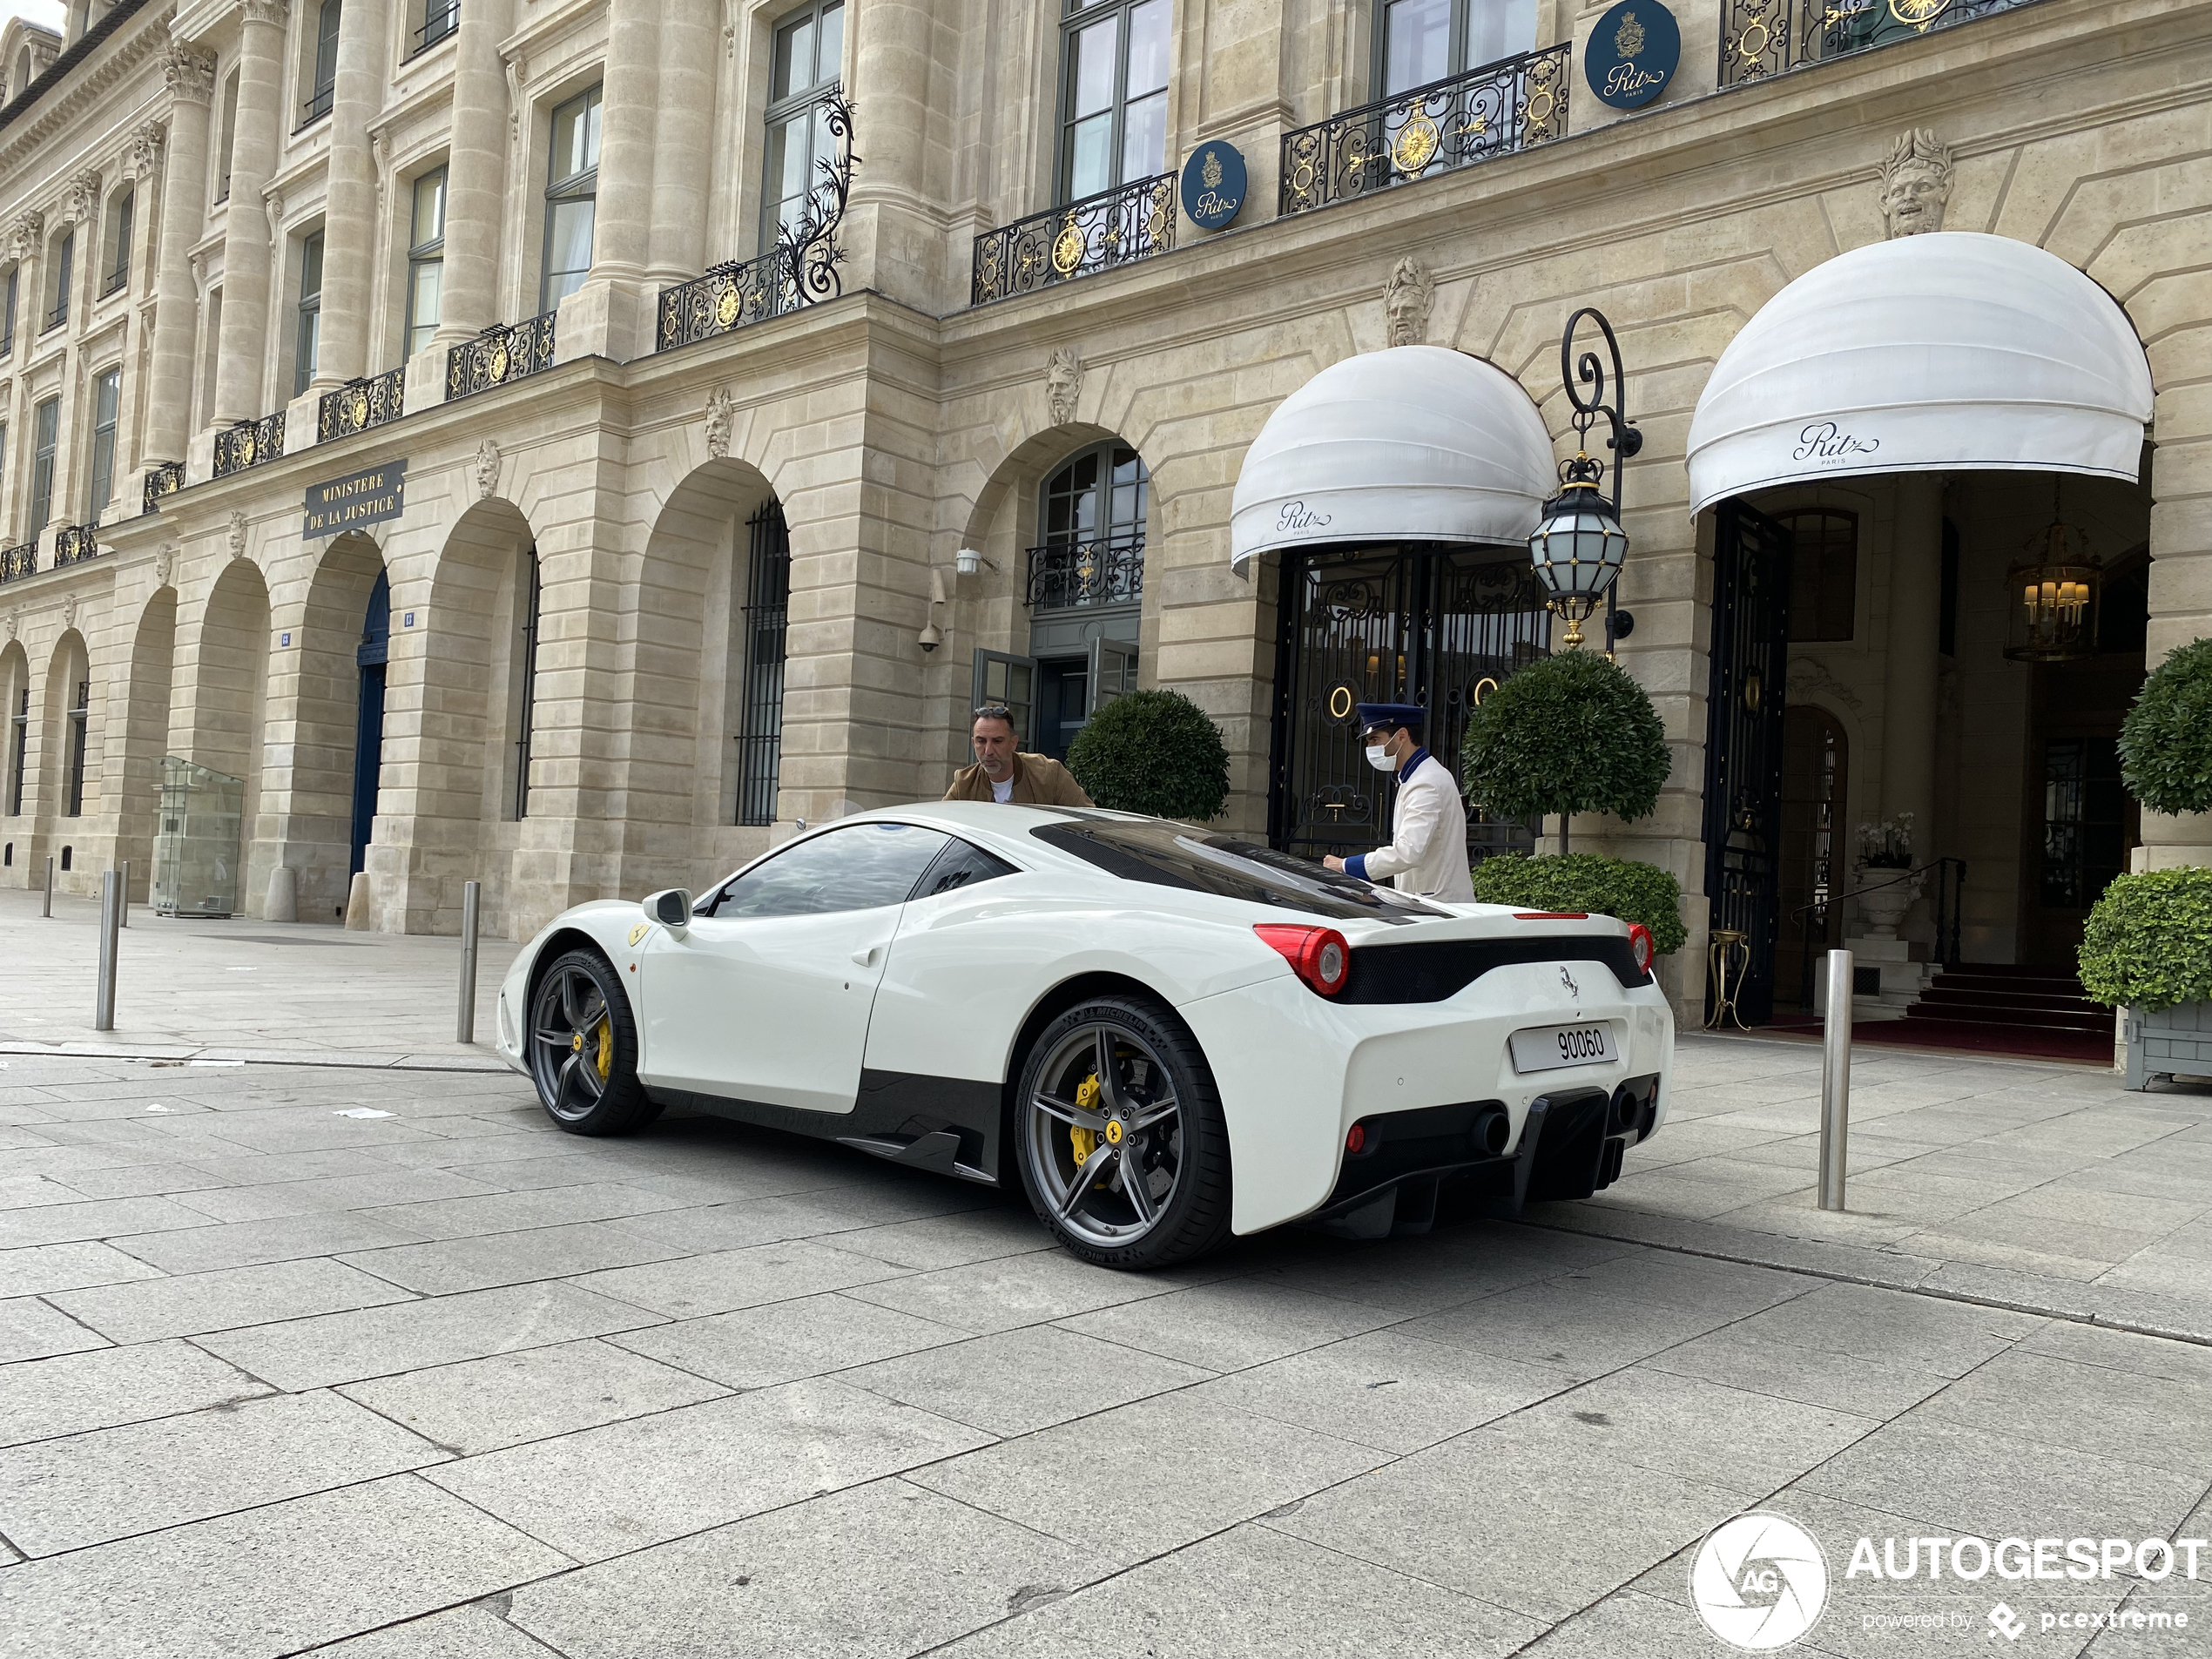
{"x": 2053, "y": 595}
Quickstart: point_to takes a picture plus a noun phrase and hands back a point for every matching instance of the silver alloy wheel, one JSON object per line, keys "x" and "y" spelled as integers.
{"x": 571, "y": 1042}
{"x": 1105, "y": 1135}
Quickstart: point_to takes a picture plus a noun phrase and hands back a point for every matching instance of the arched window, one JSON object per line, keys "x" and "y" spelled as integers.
{"x": 1092, "y": 516}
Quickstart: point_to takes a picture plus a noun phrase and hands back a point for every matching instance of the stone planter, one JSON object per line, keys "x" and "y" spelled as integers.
{"x": 1884, "y": 908}
{"x": 2162, "y": 1041}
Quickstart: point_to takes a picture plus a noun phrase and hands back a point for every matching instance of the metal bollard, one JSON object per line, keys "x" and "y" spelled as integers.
{"x": 110, "y": 919}
{"x": 1835, "y": 1080}
{"x": 464, "y": 1028}
{"x": 49, "y": 910}
{"x": 125, "y": 922}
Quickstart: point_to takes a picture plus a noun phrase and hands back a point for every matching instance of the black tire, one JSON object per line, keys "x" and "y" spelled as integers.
{"x": 1066, "y": 1123}
{"x": 582, "y": 1045}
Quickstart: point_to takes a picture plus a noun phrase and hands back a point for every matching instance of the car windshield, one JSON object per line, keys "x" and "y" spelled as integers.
{"x": 1180, "y": 855}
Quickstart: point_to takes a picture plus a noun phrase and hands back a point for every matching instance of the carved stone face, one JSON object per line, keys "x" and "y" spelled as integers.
{"x": 1912, "y": 199}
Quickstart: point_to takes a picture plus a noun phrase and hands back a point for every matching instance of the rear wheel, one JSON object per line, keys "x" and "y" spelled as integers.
{"x": 1123, "y": 1150}
{"x": 583, "y": 1048}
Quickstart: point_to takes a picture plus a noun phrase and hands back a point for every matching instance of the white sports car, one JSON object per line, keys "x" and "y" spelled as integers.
{"x": 1171, "y": 1034}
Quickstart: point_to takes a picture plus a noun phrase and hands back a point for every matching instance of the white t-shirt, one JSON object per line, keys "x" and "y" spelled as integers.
{"x": 1002, "y": 792}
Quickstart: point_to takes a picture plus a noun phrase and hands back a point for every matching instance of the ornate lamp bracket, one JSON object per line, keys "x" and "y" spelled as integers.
{"x": 1625, "y": 441}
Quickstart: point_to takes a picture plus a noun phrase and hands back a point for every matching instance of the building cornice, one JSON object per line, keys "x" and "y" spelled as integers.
{"x": 24, "y": 125}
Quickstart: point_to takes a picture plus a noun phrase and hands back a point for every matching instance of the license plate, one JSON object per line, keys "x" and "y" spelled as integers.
{"x": 1548, "y": 1048}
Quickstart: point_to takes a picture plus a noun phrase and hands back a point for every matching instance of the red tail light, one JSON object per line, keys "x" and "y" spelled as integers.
{"x": 1551, "y": 915}
{"x": 1318, "y": 956}
{"x": 1640, "y": 945}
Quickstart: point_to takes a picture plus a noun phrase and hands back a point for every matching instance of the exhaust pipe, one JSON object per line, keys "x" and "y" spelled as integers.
{"x": 1491, "y": 1129}
{"x": 1627, "y": 1110}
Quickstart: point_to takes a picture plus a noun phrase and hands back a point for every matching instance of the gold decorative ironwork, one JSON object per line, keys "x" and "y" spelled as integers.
{"x": 250, "y": 443}
{"x": 162, "y": 480}
{"x": 1104, "y": 570}
{"x": 1132, "y": 221}
{"x": 358, "y": 405}
{"x": 1494, "y": 110}
{"x": 74, "y": 543}
{"x": 499, "y": 354}
{"x": 728, "y": 298}
{"x": 16, "y": 562}
{"x": 1761, "y": 38}
{"x": 1728, "y": 958}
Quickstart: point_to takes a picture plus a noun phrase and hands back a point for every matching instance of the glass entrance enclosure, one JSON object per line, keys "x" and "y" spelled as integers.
{"x": 195, "y": 848}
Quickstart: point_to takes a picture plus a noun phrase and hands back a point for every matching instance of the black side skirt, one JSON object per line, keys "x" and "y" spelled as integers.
{"x": 945, "y": 1125}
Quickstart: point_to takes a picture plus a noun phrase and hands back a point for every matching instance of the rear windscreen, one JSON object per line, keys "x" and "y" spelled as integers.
{"x": 1178, "y": 855}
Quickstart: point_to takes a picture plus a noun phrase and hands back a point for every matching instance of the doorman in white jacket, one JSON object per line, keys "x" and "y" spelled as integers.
{"x": 1428, "y": 854}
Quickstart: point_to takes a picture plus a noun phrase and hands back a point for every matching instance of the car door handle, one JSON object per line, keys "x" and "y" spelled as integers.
{"x": 865, "y": 956}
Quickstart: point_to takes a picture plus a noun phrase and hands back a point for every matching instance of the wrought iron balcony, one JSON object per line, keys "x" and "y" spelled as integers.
{"x": 162, "y": 480}
{"x": 55, "y": 317}
{"x": 801, "y": 269}
{"x": 1494, "y": 111}
{"x": 358, "y": 405}
{"x": 1762, "y": 38}
{"x": 250, "y": 443}
{"x": 114, "y": 282}
{"x": 315, "y": 105}
{"x": 1099, "y": 570}
{"x": 726, "y": 298}
{"x": 74, "y": 543}
{"x": 499, "y": 354}
{"x": 16, "y": 562}
{"x": 1114, "y": 227}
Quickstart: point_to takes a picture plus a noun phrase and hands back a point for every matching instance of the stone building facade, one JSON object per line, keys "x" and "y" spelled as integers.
{"x": 675, "y": 520}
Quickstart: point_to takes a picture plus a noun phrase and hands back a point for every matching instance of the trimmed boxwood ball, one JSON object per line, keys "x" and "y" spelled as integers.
{"x": 1602, "y": 887}
{"x": 1152, "y": 751}
{"x": 1568, "y": 734}
{"x": 2166, "y": 741}
{"x": 2148, "y": 943}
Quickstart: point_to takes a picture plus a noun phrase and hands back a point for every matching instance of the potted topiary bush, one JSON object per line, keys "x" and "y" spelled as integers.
{"x": 1569, "y": 733}
{"x": 1622, "y": 887}
{"x": 1152, "y": 751}
{"x": 2146, "y": 947}
{"x": 2147, "y": 944}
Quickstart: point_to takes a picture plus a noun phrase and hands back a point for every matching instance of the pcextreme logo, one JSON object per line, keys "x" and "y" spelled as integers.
{"x": 1759, "y": 1581}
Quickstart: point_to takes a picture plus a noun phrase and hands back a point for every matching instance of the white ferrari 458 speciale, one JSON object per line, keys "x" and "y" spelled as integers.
{"x": 1165, "y": 1034}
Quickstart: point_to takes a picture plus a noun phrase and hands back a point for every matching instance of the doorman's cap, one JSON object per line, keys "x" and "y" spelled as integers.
{"x": 1390, "y": 716}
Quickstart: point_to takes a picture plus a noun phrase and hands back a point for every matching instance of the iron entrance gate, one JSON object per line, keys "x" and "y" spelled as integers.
{"x": 1435, "y": 626}
{"x": 1744, "y": 742}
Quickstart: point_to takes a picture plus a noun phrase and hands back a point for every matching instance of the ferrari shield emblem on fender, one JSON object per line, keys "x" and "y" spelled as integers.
{"x": 638, "y": 933}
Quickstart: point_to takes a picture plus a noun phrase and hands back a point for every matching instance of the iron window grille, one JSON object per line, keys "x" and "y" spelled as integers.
{"x": 80, "y": 719}
{"x": 500, "y": 354}
{"x": 20, "y": 736}
{"x": 250, "y": 443}
{"x": 1131, "y": 222}
{"x": 1763, "y": 38}
{"x": 358, "y": 405}
{"x": 531, "y": 596}
{"x": 440, "y": 19}
{"x": 1102, "y": 570}
{"x": 1496, "y": 110}
{"x": 767, "y": 612}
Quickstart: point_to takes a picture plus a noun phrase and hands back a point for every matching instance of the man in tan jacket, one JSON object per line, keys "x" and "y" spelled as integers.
{"x": 1002, "y": 773}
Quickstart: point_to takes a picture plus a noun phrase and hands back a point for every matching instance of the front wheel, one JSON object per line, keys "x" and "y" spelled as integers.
{"x": 1123, "y": 1149}
{"x": 583, "y": 1048}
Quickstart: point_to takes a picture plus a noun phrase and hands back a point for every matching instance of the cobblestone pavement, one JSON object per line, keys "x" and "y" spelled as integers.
{"x": 372, "y": 1361}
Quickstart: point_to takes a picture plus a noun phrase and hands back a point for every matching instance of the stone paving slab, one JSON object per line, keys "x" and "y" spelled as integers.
{"x": 715, "y": 1390}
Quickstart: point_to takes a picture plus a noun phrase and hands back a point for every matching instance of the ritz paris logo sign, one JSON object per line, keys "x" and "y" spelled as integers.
{"x": 1632, "y": 53}
{"x": 1824, "y": 440}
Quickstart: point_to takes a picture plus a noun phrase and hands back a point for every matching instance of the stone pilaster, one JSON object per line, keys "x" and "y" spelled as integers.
{"x": 176, "y": 317}
{"x": 350, "y": 218}
{"x": 685, "y": 118}
{"x": 896, "y": 237}
{"x": 476, "y": 175}
{"x": 247, "y": 234}
{"x": 612, "y": 315}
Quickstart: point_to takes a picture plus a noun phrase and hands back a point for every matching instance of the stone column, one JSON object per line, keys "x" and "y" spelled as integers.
{"x": 247, "y": 235}
{"x": 183, "y": 205}
{"x": 612, "y": 315}
{"x": 896, "y": 241}
{"x": 350, "y": 217}
{"x": 686, "y": 120}
{"x": 1909, "y": 695}
{"x": 476, "y": 174}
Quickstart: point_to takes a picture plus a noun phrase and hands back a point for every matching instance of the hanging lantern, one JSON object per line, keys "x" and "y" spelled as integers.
{"x": 1578, "y": 549}
{"x": 2053, "y": 597}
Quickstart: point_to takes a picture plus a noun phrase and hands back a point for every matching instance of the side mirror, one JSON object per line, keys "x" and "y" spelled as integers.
{"x": 672, "y": 907}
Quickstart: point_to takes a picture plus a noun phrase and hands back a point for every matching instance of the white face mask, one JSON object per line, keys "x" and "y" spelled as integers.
{"x": 1378, "y": 758}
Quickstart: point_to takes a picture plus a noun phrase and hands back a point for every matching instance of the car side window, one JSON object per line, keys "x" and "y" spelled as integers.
{"x": 857, "y": 867}
{"x": 961, "y": 865}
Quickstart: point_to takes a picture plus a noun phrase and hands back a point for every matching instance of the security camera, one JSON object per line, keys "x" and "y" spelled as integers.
{"x": 932, "y": 636}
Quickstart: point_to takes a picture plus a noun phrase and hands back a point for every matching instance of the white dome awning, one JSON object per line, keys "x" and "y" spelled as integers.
{"x": 1950, "y": 352}
{"x": 1415, "y": 443}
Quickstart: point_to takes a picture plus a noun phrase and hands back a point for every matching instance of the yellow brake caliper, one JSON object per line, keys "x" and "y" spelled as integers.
{"x": 1088, "y": 1094}
{"x": 606, "y": 1046}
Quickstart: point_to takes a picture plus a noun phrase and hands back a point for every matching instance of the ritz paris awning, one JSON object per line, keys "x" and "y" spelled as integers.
{"x": 1414, "y": 443}
{"x": 1953, "y": 351}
